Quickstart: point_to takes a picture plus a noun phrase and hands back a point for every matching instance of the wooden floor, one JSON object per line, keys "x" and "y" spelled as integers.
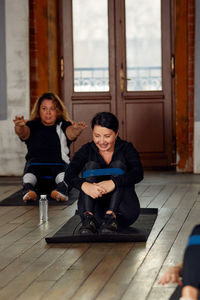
{"x": 32, "y": 269}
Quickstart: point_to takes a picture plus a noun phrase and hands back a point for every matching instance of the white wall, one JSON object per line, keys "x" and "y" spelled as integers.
{"x": 12, "y": 150}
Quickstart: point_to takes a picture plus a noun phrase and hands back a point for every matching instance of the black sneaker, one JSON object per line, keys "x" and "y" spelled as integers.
{"x": 61, "y": 192}
{"x": 109, "y": 224}
{"x": 88, "y": 224}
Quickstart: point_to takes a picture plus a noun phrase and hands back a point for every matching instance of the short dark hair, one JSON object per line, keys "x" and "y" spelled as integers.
{"x": 105, "y": 119}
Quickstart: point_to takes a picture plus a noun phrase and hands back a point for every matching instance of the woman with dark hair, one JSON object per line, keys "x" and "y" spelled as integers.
{"x": 48, "y": 136}
{"x": 110, "y": 169}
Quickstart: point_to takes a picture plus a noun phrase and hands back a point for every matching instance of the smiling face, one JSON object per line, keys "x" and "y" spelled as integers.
{"x": 48, "y": 112}
{"x": 104, "y": 138}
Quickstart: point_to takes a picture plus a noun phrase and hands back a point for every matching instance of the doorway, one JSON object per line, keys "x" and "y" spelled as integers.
{"x": 116, "y": 56}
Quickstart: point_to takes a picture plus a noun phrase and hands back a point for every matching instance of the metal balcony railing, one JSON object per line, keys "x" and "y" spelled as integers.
{"x": 96, "y": 79}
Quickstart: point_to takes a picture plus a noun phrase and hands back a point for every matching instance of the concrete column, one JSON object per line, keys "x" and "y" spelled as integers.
{"x": 12, "y": 150}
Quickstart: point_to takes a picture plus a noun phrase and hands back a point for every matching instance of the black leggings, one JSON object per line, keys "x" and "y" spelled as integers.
{"x": 123, "y": 200}
{"x": 191, "y": 261}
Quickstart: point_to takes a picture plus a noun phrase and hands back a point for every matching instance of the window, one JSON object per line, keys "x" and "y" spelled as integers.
{"x": 90, "y": 36}
{"x": 143, "y": 53}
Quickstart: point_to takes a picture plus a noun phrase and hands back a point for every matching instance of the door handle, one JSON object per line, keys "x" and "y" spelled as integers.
{"x": 61, "y": 67}
{"x": 122, "y": 78}
{"x": 173, "y": 65}
{"x": 125, "y": 78}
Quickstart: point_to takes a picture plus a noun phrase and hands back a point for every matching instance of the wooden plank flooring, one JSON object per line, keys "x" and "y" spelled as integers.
{"x": 31, "y": 269}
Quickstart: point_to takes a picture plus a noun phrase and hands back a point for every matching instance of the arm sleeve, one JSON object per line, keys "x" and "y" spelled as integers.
{"x": 134, "y": 173}
{"x": 75, "y": 167}
{"x": 65, "y": 124}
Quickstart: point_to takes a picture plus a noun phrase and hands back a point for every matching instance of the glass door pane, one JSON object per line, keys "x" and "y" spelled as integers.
{"x": 90, "y": 45}
{"x": 143, "y": 45}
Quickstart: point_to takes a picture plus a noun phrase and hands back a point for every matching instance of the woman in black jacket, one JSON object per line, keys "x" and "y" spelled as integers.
{"x": 110, "y": 169}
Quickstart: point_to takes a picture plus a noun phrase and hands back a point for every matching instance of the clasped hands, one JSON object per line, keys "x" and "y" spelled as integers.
{"x": 97, "y": 190}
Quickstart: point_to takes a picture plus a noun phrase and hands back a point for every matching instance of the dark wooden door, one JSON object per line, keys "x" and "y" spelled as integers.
{"x": 116, "y": 56}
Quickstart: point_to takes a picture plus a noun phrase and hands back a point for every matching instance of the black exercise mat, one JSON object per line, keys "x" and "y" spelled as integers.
{"x": 177, "y": 294}
{"x": 138, "y": 232}
{"x": 16, "y": 199}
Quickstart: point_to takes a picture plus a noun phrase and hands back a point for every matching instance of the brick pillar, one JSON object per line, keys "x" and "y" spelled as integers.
{"x": 191, "y": 41}
{"x": 43, "y": 47}
{"x": 184, "y": 86}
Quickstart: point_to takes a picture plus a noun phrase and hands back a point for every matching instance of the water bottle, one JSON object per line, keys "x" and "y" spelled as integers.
{"x": 43, "y": 207}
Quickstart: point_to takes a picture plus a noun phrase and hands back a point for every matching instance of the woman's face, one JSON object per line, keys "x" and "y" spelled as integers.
{"x": 48, "y": 112}
{"x": 104, "y": 138}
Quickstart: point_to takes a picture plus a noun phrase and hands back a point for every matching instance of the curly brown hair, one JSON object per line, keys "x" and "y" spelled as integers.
{"x": 60, "y": 107}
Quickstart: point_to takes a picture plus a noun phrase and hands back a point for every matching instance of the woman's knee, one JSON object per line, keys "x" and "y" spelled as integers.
{"x": 91, "y": 165}
{"x": 30, "y": 178}
{"x": 118, "y": 164}
{"x": 59, "y": 177}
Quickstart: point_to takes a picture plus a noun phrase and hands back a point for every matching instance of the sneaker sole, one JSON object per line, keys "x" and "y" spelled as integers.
{"x": 58, "y": 196}
{"x": 30, "y": 196}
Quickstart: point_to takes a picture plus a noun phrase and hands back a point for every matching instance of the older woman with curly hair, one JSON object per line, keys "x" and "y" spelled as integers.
{"x": 47, "y": 135}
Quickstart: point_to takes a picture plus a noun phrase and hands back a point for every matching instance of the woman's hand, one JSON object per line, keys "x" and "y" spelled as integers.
{"x": 21, "y": 129}
{"x": 92, "y": 190}
{"x": 107, "y": 185}
{"x": 75, "y": 130}
{"x": 19, "y": 121}
{"x": 172, "y": 275}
